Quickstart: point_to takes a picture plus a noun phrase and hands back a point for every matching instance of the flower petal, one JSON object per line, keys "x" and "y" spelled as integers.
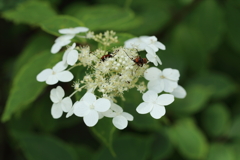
{"x": 169, "y": 85}
{"x": 60, "y": 66}
{"x": 66, "y": 104}
{"x": 160, "y": 45}
{"x": 52, "y": 79}
{"x": 72, "y": 57}
{"x": 89, "y": 98}
{"x": 70, "y": 112}
{"x": 56, "y": 110}
{"x": 43, "y": 76}
{"x": 156, "y": 85}
{"x": 102, "y": 104}
{"x": 179, "y": 92}
{"x": 149, "y": 96}
{"x": 60, "y": 92}
{"x": 165, "y": 99}
{"x": 55, "y": 98}
{"x": 172, "y": 74}
{"x": 81, "y": 109}
{"x": 91, "y": 118}
{"x": 120, "y": 122}
{"x": 65, "y": 76}
{"x": 56, "y": 48}
{"x": 128, "y": 116}
{"x": 152, "y": 58}
{"x": 158, "y": 111}
{"x": 152, "y": 73}
{"x": 116, "y": 108}
{"x": 144, "y": 108}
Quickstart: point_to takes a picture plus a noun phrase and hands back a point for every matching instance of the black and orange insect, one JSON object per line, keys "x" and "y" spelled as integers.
{"x": 104, "y": 57}
{"x": 138, "y": 60}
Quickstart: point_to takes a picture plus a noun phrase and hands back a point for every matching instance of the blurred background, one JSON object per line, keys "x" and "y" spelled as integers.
{"x": 202, "y": 38}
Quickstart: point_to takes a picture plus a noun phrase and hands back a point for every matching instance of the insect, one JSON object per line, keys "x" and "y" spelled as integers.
{"x": 138, "y": 60}
{"x": 109, "y": 55}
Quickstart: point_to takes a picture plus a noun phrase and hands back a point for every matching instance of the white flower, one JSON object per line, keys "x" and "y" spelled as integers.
{"x": 60, "y": 105}
{"x": 120, "y": 118}
{"x": 153, "y": 58}
{"x": 60, "y": 42}
{"x": 71, "y": 55}
{"x": 89, "y": 107}
{"x": 179, "y": 92}
{"x": 57, "y": 73}
{"x": 152, "y": 43}
{"x": 154, "y": 104}
{"x": 166, "y": 80}
{"x": 73, "y": 31}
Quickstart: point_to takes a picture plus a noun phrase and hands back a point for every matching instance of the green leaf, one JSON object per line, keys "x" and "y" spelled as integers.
{"x": 53, "y": 24}
{"x": 30, "y": 12}
{"x": 104, "y": 17}
{"x": 128, "y": 147}
{"x": 216, "y": 119}
{"x": 161, "y": 147}
{"x": 191, "y": 38}
{"x": 220, "y": 84}
{"x": 33, "y": 47}
{"x": 189, "y": 140}
{"x": 104, "y": 131}
{"x": 26, "y": 88}
{"x": 219, "y": 151}
{"x": 39, "y": 147}
{"x": 235, "y": 129}
{"x": 233, "y": 24}
{"x": 154, "y": 15}
{"x": 197, "y": 97}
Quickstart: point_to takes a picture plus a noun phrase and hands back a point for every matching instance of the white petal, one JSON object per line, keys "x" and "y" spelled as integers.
{"x": 70, "y": 112}
{"x": 55, "y": 96}
{"x": 64, "y": 39}
{"x": 109, "y": 113}
{"x": 150, "y": 50}
{"x": 152, "y": 59}
{"x": 66, "y": 104}
{"x": 128, "y": 116}
{"x": 60, "y": 66}
{"x": 116, "y": 108}
{"x": 179, "y": 92}
{"x": 152, "y": 73}
{"x": 65, "y": 76}
{"x": 165, "y": 99}
{"x": 169, "y": 85}
{"x": 102, "y": 104}
{"x": 73, "y": 30}
{"x": 43, "y": 76}
{"x": 171, "y": 74}
{"x": 52, "y": 79}
{"x": 160, "y": 45}
{"x": 150, "y": 96}
{"x": 120, "y": 122}
{"x": 56, "y": 110}
{"x": 56, "y": 47}
{"x": 60, "y": 92}
{"x": 89, "y": 98}
{"x": 72, "y": 57}
{"x": 156, "y": 85}
{"x": 81, "y": 109}
{"x": 91, "y": 118}
{"x": 158, "y": 111}
{"x": 144, "y": 108}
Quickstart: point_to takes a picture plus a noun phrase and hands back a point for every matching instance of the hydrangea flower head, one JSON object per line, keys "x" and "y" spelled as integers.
{"x": 108, "y": 74}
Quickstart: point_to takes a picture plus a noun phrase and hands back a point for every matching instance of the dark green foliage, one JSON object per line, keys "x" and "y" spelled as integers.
{"x": 202, "y": 38}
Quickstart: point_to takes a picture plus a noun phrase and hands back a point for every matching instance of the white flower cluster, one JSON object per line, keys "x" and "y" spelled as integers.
{"x": 108, "y": 75}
